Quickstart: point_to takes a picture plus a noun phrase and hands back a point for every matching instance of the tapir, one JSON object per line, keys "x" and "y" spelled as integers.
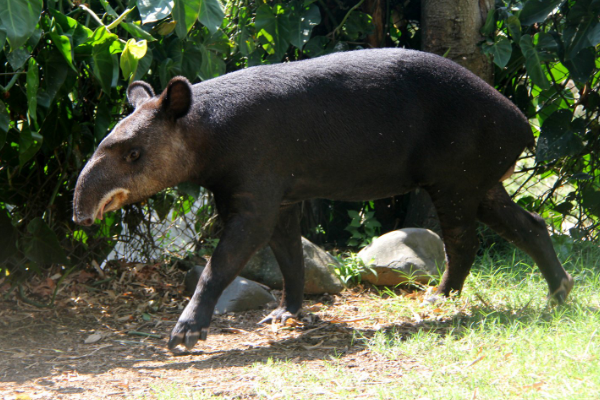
{"x": 352, "y": 126}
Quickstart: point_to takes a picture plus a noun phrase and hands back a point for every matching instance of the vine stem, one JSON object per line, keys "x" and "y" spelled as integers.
{"x": 92, "y": 14}
{"x": 346, "y": 17}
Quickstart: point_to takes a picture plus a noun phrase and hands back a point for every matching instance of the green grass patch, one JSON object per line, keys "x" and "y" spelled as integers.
{"x": 503, "y": 341}
{"x": 498, "y": 340}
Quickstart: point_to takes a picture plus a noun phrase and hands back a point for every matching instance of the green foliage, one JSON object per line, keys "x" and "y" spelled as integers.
{"x": 350, "y": 268}
{"x": 551, "y": 71}
{"x": 65, "y": 66}
{"x": 363, "y": 226}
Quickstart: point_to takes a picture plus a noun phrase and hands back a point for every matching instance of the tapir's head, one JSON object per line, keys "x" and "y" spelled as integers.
{"x": 145, "y": 153}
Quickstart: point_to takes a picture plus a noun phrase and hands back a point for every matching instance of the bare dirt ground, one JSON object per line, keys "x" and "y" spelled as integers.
{"x": 106, "y": 338}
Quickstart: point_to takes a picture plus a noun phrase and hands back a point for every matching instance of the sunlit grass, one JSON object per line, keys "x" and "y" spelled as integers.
{"x": 498, "y": 340}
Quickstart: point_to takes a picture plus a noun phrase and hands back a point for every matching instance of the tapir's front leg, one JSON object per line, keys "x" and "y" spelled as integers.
{"x": 248, "y": 227}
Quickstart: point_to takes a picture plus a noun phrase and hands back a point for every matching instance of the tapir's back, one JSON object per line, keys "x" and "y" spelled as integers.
{"x": 367, "y": 119}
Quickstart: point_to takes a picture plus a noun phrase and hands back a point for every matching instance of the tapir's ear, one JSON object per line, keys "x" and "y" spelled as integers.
{"x": 176, "y": 100}
{"x": 138, "y": 93}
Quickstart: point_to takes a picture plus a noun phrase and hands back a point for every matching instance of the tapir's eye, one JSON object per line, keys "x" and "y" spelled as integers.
{"x": 133, "y": 155}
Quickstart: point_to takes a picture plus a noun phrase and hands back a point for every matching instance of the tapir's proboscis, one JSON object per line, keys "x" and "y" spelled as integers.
{"x": 351, "y": 126}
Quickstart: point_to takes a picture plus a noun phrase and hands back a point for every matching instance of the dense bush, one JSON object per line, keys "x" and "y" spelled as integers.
{"x": 64, "y": 68}
{"x": 546, "y": 56}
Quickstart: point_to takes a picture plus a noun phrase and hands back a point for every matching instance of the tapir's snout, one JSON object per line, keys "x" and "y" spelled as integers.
{"x": 85, "y": 222}
{"x": 85, "y": 212}
{"x": 98, "y": 191}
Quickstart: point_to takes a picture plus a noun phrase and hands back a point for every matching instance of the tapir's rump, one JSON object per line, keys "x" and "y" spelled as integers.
{"x": 357, "y": 125}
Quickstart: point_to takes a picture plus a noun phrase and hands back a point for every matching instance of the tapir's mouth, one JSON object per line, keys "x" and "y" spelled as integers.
{"x": 111, "y": 201}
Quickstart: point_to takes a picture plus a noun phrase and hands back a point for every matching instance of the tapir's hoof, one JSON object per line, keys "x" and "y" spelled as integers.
{"x": 278, "y": 315}
{"x": 560, "y": 295}
{"x": 187, "y": 336}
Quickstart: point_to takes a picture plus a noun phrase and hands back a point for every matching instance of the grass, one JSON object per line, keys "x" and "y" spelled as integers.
{"x": 498, "y": 340}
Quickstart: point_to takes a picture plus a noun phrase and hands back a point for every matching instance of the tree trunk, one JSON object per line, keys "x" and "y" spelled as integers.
{"x": 450, "y": 28}
{"x": 376, "y": 9}
{"x": 453, "y": 27}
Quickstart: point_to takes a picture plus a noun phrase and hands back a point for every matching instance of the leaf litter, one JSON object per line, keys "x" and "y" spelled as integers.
{"x": 107, "y": 334}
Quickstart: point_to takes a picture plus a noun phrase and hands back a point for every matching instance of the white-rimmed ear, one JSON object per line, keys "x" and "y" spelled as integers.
{"x": 138, "y": 93}
{"x": 176, "y": 100}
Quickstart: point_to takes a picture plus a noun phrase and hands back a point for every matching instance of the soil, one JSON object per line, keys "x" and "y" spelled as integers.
{"x": 106, "y": 337}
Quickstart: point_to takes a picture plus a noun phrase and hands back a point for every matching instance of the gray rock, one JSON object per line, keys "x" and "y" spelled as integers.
{"x": 241, "y": 295}
{"x": 319, "y": 270}
{"x": 403, "y": 255}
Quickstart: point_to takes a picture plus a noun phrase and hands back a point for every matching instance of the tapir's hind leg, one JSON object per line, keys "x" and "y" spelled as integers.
{"x": 286, "y": 244}
{"x": 528, "y": 232}
{"x": 457, "y": 215}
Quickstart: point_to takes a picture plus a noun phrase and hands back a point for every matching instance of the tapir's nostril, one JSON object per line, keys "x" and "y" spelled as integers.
{"x": 87, "y": 222}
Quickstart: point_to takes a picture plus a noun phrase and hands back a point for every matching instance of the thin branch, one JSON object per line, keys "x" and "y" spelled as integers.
{"x": 92, "y": 14}
{"x": 345, "y": 18}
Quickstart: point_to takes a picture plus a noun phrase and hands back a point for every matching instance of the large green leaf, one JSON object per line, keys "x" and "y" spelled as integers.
{"x": 29, "y": 144}
{"x": 582, "y": 66}
{"x": 102, "y": 120}
{"x": 64, "y": 46}
{"x": 54, "y": 66}
{"x": 33, "y": 84}
{"x": 154, "y": 10}
{"x": 9, "y": 236}
{"x": 273, "y": 29}
{"x": 42, "y": 245}
{"x": 19, "y": 18}
{"x": 104, "y": 65}
{"x": 218, "y": 42}
{"x": 559, "y": 137}
{"x": 143, "y": 66}
{"x": 79, "y": 33}
{"x": 533, "y": 62}
{"x": 137, "y": 31}
{"x": 185, "y": 13}
{"x": 514, "y": 27}
{"x": 501, "y": 50}
{"x": 162, "y": 203}
{"x": 584, "y": 27}
{"x": 317, "y": 46}
{"x": 211, "y": 14}
{"x": 591, "y": 201}
{"x": 302, "y": 21}
{"x": 101, "y": 35}
{"x": 191, "y": 62}
{"x": 17, "y": 58}
{"x": 535, "y": 11}
{"x": 489, "y": 27}
{"x": 212, "y": 65}
{"x": 132, "y": 54}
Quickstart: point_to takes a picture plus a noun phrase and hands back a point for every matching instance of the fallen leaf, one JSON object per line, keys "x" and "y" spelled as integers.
{"x": 293, "y": 322}
{"x": 93, "y": 338}
{"x": 83, "y": 276}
